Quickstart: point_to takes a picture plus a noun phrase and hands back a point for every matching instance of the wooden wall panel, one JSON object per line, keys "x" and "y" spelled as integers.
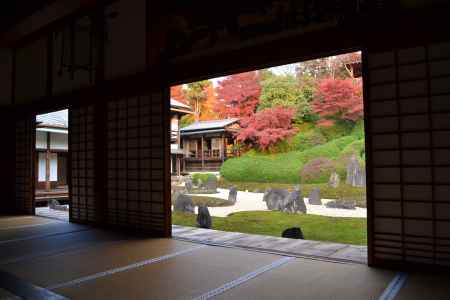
{"x": 136, "y": 164}
{"x": 408, "y": 108}
{"x": 6, "y": 61}
{"x": 24, "y": 160}
{"x": 82, "y": 182}
{"x": 31, "y": 71}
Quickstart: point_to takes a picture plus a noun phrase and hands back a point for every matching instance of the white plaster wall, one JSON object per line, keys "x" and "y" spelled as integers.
{"x": 41, "y": 140}
{"x": 41, "y": 167}
{"x": 53, "y": 167}
{"x": 5, "y": 76}
{"x": 125, "y": 47}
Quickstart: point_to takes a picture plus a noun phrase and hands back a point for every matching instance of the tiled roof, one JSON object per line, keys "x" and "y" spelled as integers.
{"x": 54, "y": 119}
{"x": 175, "y": 103}
{"x": 205, "y": 125}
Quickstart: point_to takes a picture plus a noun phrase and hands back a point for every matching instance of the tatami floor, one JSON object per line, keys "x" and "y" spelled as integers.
{"x": 50, "y": 259}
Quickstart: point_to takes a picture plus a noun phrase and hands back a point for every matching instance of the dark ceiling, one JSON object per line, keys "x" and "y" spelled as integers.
{"x": 13, "y": 11}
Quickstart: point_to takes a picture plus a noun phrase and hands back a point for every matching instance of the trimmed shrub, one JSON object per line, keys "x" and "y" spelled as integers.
{"x": 280, "y": 167}
{"x": 358, "y": 130}
{"x": 202, "y": 176}
{"x": 356, "y": 148}
{"x": 340, "y": 129}
{"x": 317, "y": 170}
{"x": 306, "y": 140}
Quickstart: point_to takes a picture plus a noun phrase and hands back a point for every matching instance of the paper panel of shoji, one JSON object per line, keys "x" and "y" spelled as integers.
{"x": 408, "y": 111}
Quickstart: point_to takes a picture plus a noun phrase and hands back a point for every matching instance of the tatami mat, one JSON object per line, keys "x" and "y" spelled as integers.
{"x": 79, "y": 262}
{"x": 310, "y": 279}
{"x": 425, "y": 285}
{"x": 5, "y": 295}
{"x": 182, "y": 277}
{"x": 22, "y": 221}
{"x": 92, "y": 259}
{"x": 55, "y": 227}
{"x": 54, "y": 244}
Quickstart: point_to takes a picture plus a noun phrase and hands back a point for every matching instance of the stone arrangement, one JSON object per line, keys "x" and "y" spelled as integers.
{"x": 334, "y": 180}
{"x": 344, "y": 204}
{"x": 293, "y": 233}
{"x": 204, "y": 219}
{"x": 314, "y": 197}
{"x": 356, "y": 175}
{"x": 282, "y": 200}
{"x": 232, "y": 195}
{"x": 183, "y": 203}
{"x": 54, "y": 204}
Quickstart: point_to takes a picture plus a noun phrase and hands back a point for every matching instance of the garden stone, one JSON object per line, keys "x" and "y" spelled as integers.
{"x": 274, "y": 198}
{"x": 295, "y": 203}
{"x": 204, "y": 218}
{"x": 355, "y": 173}
{"x": 334, "y": 180}
{"x": 54, "y": 204}
{"x": 314, "y": 197}
{"x": 183, "y": 203}
{"x": 188, "y": 184}
{"x": 232, "y": 195}
{"x": 211, "y": 184}
{"x": 293, "y": 233}
{"x": 282, "y": 200}
{"x": 347, "y": 204}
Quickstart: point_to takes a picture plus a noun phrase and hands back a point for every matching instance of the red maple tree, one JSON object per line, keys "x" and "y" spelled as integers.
{"x": 339, "y": 99}
{"x": 238, "y": 95}
{"x": 267, "y": 127}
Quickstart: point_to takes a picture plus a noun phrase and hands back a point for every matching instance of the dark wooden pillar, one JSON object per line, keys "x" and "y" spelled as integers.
{"x": 202, "y": 154}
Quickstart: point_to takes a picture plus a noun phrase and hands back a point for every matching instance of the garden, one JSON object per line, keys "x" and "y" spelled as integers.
{"x": 301, "y": 137}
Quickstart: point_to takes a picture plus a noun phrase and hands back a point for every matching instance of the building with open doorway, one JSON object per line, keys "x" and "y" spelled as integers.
{"x": 52, "y": 156}
{"x": 177, "y": 154}
{"x": 207, "y": 144}
{"x": 112, "y": 63}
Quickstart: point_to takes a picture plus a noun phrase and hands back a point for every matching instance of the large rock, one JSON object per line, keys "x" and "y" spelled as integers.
{"x": 314, "y": 197}
{"x": 274, "y": 198}
{"x": 334, "y": 180}
{"x": 293, "y": 233}
{"x": 356, "y": 175}
{"x": 183, "y": 203}
{"x": 211, "y": 184}
{"x": 54, "y": 204}
{"x": 343, "y": 204}
{"x": 232, "y": 195}
{"x": 282, "y": 200}
{"x": 204, "y": 218}
{"x": 188, "y": 184}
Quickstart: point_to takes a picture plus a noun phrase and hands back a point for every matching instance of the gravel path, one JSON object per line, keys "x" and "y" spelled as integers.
{"x": 248, "y": 201}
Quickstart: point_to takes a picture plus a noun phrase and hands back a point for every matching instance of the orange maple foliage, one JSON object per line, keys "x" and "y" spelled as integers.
{"x": 207, "y": 110}
{"x": 176, "y": 92}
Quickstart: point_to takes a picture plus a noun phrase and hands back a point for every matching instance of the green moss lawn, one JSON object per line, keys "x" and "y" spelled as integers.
{"x": 318, "y": 228}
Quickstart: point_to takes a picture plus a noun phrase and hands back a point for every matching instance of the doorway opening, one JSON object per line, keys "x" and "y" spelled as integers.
{"x": 276, "y": 152}
{"x": 52, "y": 165}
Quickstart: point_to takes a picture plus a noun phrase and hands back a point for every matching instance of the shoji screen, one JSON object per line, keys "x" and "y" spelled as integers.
{"x": 135, "y": 164}
{"x": 408, "y": 107}
{"x": 81, "y": 145}
{"x": 24, "y": 159}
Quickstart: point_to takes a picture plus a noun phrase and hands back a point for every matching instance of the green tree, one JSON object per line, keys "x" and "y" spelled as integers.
{"x": 284, "y": 91}
{"x": 197, "y": 94}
